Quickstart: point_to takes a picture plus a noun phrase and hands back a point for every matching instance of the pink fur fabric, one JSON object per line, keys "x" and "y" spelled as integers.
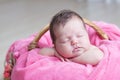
{"x": 32, "y": 66}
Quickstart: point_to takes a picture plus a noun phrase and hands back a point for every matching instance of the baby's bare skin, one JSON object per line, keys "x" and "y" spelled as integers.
{"x": 91, "y": 56}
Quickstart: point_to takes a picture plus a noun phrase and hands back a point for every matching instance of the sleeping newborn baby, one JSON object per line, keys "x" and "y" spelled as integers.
{"x": 70, "y": 39}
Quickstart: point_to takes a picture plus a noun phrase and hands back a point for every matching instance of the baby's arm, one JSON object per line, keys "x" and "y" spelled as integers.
{"x": 50, "y": 52}
{"x": 47, "y": 51}
{"x": 93, "y": 56}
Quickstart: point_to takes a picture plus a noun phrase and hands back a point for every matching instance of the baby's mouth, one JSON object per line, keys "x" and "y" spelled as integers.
{"x": 78, "y": 50}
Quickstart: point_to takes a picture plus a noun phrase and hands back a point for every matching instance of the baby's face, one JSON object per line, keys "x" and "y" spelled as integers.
{"x": 71, "y": 39}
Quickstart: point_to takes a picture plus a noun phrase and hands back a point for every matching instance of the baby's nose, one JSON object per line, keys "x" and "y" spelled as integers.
{"x": 74, "y": 42}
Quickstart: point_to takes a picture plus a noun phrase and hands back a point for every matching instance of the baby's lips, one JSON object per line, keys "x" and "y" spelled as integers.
{"x": 78, "y": 50}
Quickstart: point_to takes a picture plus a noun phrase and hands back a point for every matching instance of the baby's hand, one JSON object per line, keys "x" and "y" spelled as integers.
{"x": 60, "y": 57}
{"x": 67, "y": 60}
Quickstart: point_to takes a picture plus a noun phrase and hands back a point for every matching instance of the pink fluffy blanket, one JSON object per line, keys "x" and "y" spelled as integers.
{"x": 32, "y": 66}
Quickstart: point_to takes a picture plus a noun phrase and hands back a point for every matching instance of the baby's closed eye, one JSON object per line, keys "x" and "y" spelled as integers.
{"x": 64, "y": 40}
{"x": 79, "y": 36}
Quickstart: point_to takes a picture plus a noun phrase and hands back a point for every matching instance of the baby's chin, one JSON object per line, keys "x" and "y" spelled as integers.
{"x": 73, "y": 55}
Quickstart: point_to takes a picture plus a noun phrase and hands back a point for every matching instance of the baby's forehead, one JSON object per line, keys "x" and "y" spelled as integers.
{"x": 73, "y": 24}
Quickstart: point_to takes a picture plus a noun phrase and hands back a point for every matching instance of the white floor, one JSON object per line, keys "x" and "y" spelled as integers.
{"x": 21, "y": 18}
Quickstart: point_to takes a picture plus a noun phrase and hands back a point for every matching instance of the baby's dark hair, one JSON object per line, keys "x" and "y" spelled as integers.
{"x": 61, "y": 18}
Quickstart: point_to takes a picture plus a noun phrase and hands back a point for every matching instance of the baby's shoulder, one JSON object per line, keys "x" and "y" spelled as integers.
{"x": 95, "y": 49}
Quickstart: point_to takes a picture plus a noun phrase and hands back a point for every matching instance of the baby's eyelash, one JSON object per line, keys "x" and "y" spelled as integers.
{"x": 79, "y": 35}
{"x": 65, "y": 40}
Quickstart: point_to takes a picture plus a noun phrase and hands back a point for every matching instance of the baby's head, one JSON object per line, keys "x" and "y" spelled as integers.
{"x": 60, "y": 19}
{"x": 68, "y": 34}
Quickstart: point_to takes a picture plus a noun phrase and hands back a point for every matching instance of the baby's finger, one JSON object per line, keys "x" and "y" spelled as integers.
{"x": 67, "y": 60}
{"x": 62, "y": 59}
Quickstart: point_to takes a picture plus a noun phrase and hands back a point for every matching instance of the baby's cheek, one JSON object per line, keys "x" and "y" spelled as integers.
{"x": 67, "y": 49}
